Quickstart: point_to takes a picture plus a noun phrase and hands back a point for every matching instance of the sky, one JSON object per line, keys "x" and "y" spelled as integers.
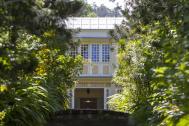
{"x": 105, "y": 2}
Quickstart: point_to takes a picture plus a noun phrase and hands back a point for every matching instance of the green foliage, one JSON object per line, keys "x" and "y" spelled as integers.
{"x": 87, "y": 11}
{"x": 153, "y": 62}
{"x": 35, "y": 72}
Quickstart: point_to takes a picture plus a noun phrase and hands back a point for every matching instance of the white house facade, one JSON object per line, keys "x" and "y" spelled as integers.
{"x": 99, "y": 52}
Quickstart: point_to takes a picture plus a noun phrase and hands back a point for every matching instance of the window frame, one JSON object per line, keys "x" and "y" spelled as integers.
{"x": 105, "y": 53}
{"x": 95, "y": 52}
{"x": 85, "y": 51}
{"x": 74, "y": 52}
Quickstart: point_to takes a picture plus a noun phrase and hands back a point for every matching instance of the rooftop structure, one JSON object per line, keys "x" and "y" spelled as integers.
{"x": 93, "y": 22}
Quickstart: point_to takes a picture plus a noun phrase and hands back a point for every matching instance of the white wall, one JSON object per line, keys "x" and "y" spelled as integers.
{"x": 93, "y": 34}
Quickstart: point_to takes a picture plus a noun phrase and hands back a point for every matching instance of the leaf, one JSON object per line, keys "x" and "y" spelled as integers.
{"x": 184, "y": 121}
{"x": 3, "y": 88}
{"x": 161, "y": 70}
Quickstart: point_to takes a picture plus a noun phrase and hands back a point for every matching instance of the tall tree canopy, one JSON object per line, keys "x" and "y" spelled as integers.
{"x": 100, "y": 11}
{"x": 87, "y": 11}
{"x": 35, "y": 73}
{"x": 154, "y": 62}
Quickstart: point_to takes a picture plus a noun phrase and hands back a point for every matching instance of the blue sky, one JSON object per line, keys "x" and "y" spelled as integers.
{"x": 105, "y": 2}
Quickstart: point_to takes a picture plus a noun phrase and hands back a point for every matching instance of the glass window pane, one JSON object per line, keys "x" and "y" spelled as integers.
{"x": 105, "y": 53}
{"x": 85, "y": 51}
{"x": 73, "y": 52}
{"x": 95, "y": 52}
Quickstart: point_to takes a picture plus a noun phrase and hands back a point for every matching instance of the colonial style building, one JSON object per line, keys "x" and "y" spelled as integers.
{"x": 99, "y": 52}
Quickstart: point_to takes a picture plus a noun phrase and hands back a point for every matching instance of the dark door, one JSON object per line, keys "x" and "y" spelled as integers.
{"x": 88, "y": 103}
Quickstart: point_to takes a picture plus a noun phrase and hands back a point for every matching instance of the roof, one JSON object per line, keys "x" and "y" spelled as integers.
{"x": 93, "y": 22}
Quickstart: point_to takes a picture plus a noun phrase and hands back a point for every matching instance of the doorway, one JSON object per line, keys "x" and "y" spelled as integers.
{"x": 89, "y": 98}
{"x": 88, "y": 103}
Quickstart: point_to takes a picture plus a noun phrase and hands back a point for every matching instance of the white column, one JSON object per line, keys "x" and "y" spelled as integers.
{"x": 73, "y": 99}
{"x": 79, "y": 49}
{"x": 100, "y": 59}
{"x": 105, "y": 98}
{"x": 90, "y": 59}
{"x": 100, "y": 52}
{"x": 69, "y": 93}
{"x": 113, "y": 59}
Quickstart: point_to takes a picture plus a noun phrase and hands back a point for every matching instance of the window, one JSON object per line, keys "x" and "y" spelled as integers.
{"x": 105, "y": 53}
{"x": 95, "y": 52}
{"x": 73, "y": 52}
{"x": 85, "y": 51}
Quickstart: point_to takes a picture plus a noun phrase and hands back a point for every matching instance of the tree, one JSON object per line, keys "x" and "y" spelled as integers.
{"x": 103, "y": 11}
{"x": 35, "y": 72}
{"x": 87, "y": 11}
{"x": 153, "y": 62}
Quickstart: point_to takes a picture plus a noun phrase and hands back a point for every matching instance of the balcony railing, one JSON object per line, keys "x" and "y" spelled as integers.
{"x": 93, "y": 22}
{"x": 98, "y": 69}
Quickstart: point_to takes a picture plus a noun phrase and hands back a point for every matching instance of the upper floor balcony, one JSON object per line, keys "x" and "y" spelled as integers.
{"x": 99, "y": 59}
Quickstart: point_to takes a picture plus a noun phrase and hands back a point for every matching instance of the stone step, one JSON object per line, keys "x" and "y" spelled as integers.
{"x": 74, "y": 122}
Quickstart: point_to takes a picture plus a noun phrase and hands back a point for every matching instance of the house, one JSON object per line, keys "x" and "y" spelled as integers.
{"x": 99, "y": 52}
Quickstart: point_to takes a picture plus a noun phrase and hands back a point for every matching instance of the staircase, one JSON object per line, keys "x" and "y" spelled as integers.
{"x": 89, "y": 118}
